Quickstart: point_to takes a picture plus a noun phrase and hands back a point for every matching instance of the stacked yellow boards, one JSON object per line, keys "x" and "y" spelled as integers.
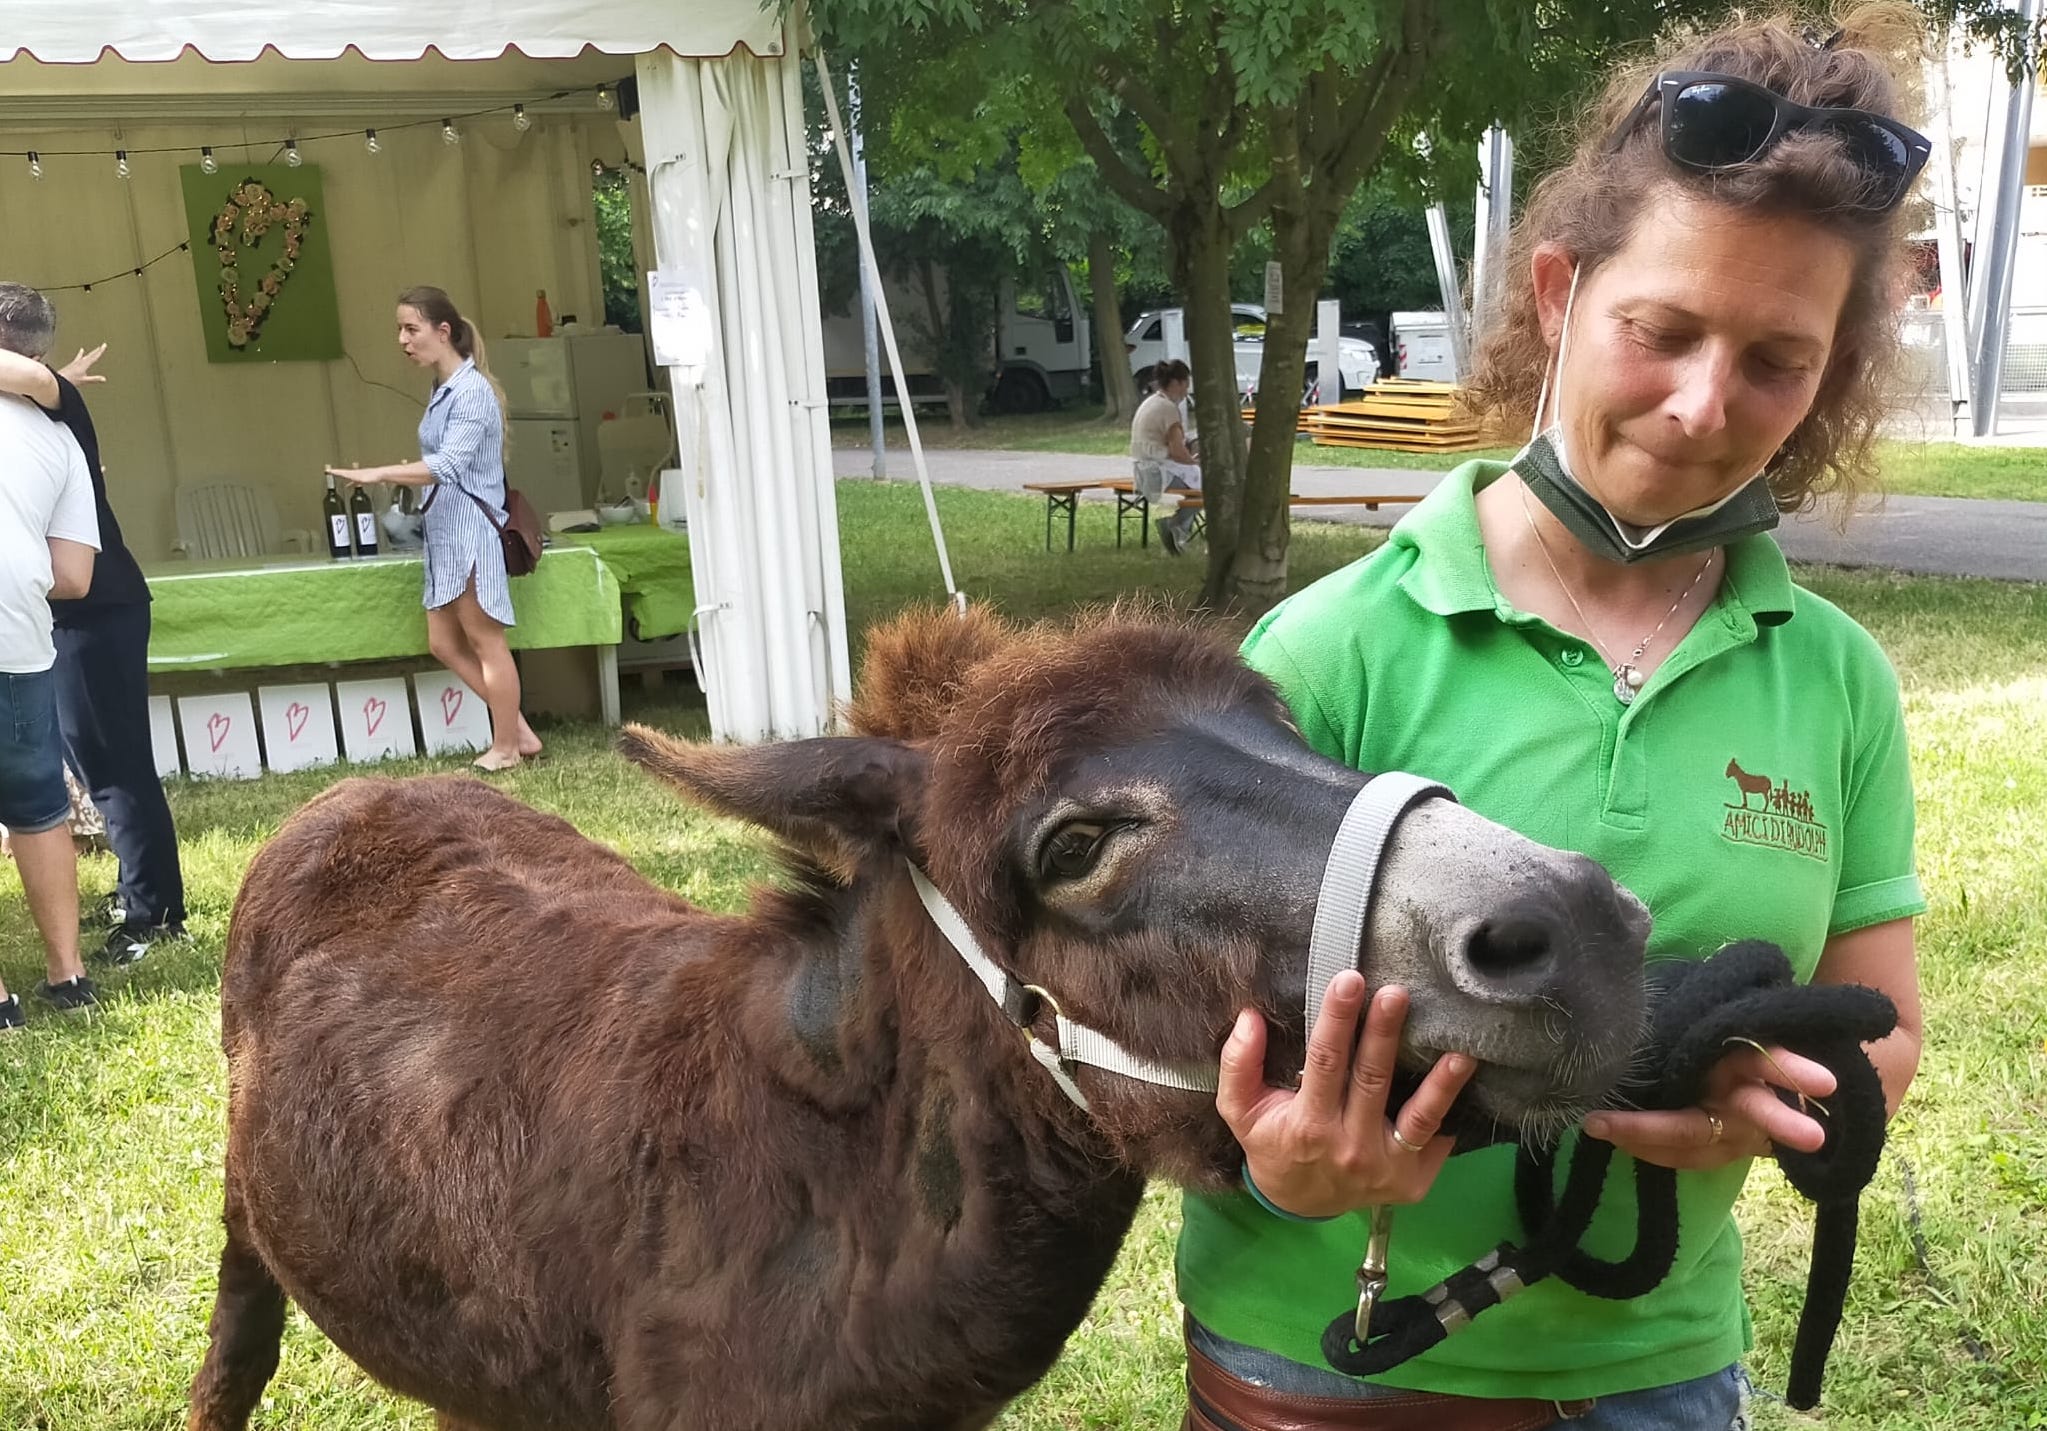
{"x": 1400, "y": 414}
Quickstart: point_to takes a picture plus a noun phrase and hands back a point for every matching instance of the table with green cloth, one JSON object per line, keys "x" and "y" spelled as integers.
{"x": 652, "y": 566}
{"x": 297, "y": 610}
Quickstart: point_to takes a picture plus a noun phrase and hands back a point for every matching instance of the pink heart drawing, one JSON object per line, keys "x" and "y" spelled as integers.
{"x": 373, "y": 714}
{"x": 295, "y": 720}
{"x": 217, "y": 726}
{"x": 451, "y": 704}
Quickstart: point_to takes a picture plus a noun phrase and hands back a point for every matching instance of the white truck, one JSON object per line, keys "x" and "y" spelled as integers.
{"x": 1042, "y": 337}
{"x": 1145, "y": 341}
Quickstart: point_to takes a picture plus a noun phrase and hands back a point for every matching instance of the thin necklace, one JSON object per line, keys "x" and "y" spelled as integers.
{"x": 1627, "y": 675}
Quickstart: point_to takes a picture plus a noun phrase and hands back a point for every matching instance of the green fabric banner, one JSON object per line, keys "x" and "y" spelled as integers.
{"x": 287, "y": 611}
{"x": 264, "y": 265}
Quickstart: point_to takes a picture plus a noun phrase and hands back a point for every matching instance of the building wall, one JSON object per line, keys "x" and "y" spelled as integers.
{"x": 492, "y": 220}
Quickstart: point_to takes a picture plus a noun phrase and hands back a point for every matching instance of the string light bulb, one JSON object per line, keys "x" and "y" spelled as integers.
{"x": 371, "y": 142}
{"x": 35, "y": 165}
{"x": 448, "y": 132}
{"x": 292, "y": 156}
{"x": 207, "y": 163}
{"x": 519, "y": 120}
{"x": 597, "y": 168}
{"x": 121, "y": 169}
{"x": 604, "y": 99}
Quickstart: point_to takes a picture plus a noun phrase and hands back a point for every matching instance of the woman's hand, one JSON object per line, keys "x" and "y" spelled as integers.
{"x": 79, "y": 370}
{"x": 1740, "y": 1115}
{"x": 1329, "y": 1147}
{"x": 356, "y": 476}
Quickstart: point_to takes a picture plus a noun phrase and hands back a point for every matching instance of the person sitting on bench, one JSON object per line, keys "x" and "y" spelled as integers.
{"x": 1158, "y": 444}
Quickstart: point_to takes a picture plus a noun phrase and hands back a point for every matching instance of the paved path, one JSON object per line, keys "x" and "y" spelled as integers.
{"x": 1937, "y": 536}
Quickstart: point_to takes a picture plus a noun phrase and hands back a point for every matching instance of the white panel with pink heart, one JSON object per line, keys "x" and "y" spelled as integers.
{"x": 298, "y": 726}
{"x": 451, "y": 716}
{"x": 220, "y": 735}
{"x": 376, "y": 719}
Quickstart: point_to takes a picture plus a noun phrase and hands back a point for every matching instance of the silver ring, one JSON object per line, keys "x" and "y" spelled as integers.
{"x": 1411, "y": 1147}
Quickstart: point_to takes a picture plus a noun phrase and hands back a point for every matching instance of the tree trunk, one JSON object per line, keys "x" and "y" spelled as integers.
{"x": 1119, "y": 389}
{"x": 1256, "y": 579}
{"x": 941, "y": 329}
{"x": 1200, "y": 246}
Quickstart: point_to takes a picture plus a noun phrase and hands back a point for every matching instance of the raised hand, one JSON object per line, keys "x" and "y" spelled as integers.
{"x": 1328, "y": 1147}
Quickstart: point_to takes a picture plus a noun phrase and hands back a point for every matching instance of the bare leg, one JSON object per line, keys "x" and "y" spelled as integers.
{"x": 49, "y": 874}
{"x": 500, "y": 687}
{"x": 449, "y": 641}
{"x": 242, "y": 1341}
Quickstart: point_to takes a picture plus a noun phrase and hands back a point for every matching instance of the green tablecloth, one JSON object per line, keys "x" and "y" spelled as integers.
{"x": 287, "y": 611}
{"x": 652, "y": 565}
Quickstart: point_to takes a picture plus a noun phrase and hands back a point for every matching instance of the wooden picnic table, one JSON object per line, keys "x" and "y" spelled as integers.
{"x": 1064, "y": 496}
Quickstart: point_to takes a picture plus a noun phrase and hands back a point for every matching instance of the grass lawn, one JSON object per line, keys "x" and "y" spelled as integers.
{"x": 1917, "y": 469}
{"x": 110, "y": 1130}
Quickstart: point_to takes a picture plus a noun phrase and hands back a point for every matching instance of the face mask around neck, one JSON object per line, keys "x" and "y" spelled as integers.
{"x": 1545, "y": 469}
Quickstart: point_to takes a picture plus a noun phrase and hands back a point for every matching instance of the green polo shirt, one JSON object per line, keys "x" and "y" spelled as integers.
{"x": 1757, "y": 789}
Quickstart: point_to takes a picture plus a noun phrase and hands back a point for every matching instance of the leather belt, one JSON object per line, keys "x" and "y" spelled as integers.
{"x": 1218, "y": 1401}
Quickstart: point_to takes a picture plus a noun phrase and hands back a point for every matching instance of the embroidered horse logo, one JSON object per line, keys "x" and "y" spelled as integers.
{"x": 1749, "y": 784}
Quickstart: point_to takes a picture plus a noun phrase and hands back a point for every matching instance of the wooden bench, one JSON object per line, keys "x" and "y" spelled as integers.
{"x": 1370, "y": 501}
{"x": 1065, "y": 496}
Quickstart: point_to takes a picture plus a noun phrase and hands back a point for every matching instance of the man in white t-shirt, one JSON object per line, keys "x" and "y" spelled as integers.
{"x": 49, "y": 534}
{"x": 1158, "y": 444}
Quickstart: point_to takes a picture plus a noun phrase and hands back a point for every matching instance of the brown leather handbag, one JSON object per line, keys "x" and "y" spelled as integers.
{"x": 519, "y": 531}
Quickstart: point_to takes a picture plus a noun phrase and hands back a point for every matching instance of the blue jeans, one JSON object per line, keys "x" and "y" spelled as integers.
{"x": 1718, "y": 1402}
{"x": 32, "y": 794}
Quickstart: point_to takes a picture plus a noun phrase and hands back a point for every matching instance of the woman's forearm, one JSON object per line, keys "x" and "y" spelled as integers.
{"x": 401, "y": 474}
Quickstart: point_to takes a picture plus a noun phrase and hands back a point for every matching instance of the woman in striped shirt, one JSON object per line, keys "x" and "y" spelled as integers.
{"x": 462, "y": 442}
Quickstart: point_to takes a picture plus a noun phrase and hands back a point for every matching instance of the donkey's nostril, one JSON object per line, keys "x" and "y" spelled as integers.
{"x": 1509, "y": 944}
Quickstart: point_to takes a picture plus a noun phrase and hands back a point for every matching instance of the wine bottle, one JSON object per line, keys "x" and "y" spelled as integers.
{"x": 365, "y": 517}
{"x": 337, "y": 521}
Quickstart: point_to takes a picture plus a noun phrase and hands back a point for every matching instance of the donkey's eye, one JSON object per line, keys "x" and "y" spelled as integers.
{"x": 1071, "y": 853}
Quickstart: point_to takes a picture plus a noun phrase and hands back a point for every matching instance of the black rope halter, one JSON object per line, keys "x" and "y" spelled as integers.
{"x": 1743, "y": 994}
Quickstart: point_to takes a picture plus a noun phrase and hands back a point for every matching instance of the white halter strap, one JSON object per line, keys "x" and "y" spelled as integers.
{"x": 1347, "y": 886}
{"x": 1077, "y": 1043}
{"x": 1352, "y": 875}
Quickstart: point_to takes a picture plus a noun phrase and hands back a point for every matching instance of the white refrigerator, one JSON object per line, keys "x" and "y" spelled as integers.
{"x": 557, "y": 391}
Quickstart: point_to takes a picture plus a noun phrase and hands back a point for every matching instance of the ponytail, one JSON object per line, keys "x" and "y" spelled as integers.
{"x": 471, "y": 347}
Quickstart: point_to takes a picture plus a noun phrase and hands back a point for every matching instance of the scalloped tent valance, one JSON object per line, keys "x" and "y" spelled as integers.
{"x": 81, "y": 31}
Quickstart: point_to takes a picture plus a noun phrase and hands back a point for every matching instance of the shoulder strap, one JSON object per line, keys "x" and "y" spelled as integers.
{"x": 434, "y": 495}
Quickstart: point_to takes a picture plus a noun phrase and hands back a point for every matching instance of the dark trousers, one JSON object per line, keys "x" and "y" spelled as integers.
{"x": 103, "y": 707}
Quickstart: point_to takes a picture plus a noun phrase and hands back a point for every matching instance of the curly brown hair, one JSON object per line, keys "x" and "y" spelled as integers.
{"x": 1590, "y": 207}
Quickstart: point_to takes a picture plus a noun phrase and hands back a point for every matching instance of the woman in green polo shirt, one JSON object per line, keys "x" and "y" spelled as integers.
{"x": 1599, "y": 646}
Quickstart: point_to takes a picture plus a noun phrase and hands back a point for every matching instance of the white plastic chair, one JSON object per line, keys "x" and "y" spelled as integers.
{"x": 230, "y": 520}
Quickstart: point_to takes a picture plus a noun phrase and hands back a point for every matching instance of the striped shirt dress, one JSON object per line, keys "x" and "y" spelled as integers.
{"x": 462, "y": 438}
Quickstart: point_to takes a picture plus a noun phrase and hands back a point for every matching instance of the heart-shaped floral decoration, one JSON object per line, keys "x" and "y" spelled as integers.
{"x": 249, "y": 213}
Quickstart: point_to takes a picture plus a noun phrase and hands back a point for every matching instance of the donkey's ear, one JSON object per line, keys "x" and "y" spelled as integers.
{"x": 835, "y": 798}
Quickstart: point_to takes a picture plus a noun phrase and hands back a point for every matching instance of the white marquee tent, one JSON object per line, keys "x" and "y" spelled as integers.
{"x": 721, "y": 136}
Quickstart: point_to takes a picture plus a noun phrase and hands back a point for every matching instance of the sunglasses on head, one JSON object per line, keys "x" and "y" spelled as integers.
{"x": 1713, "y": 122}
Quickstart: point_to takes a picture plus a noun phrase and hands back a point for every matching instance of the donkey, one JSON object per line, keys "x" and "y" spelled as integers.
{"x": 544, "y": 1146}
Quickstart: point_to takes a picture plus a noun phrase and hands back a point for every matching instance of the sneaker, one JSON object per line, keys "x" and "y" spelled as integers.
{"x": 11, "y": 1017}
{"x": 70, "y": 997}
{"x": 1169, "y": 536}
{"x": 130, "y": 941}
{"x": 101, "y": 913}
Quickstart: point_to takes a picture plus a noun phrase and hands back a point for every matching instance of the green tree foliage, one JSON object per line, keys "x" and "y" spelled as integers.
{"x": 1221, "y": 118}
